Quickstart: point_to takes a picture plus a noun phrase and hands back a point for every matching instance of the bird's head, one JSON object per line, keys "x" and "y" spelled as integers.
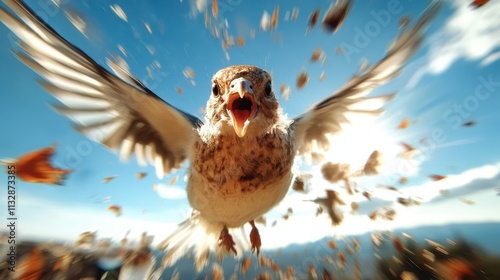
{"x": 242, "y": 101}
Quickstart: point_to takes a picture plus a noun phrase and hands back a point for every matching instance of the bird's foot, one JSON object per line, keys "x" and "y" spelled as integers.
{"x": 226, "y": 240}
{"x": 255, "y": 238}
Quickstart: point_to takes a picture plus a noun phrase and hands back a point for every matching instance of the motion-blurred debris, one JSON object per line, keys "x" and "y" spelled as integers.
{"x": 313, "y": 19}
{"x": 119, "y": 12}
{"x": 334, "y": 172}
{"x": 302, "y": 79}
{"x": 404, "y": 124}
{"x": 285, "y": 90}
{"x": 35, "y": 167}
{"x": 141, "y": 175}
{"x": 108, "y": 179}
{"x": 436, "y": 177}
{"x": 336, "y": 14}
{"x": 116, "y": 209}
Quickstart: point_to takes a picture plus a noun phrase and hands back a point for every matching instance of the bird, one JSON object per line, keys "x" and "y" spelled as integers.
{"x": 241, "y": 156}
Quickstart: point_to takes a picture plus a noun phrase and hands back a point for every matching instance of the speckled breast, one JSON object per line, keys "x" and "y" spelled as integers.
{"x": 251, "y": 175}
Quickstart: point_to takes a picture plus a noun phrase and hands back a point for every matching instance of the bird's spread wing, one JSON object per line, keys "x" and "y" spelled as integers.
{"x": 118, "y": 111}
{"x": 313, "y": 127}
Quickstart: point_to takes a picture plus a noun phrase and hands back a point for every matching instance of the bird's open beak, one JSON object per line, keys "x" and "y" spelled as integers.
{"x": 241, "y": 105}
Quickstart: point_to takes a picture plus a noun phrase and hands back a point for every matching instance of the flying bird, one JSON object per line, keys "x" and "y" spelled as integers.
{"x": 241, "y": 155}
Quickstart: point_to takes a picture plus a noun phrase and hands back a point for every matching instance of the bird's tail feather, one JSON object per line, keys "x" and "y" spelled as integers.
{"x": 202, "y": 235}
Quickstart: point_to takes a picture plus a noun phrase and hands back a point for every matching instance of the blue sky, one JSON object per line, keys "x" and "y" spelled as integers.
{"x": 438, "y": 91}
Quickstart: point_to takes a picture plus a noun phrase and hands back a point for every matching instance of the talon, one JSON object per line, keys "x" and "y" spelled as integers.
{"x": 226, "y": 240}
{"x": 255, "y": 238}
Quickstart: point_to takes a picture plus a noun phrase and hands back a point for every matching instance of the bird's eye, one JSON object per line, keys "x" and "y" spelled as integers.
{"x": 269, "y": 90}
{"x": 215, "y": 90}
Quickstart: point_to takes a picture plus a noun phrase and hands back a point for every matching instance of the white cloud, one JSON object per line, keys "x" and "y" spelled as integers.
{"x": 476, "y": 184}
{"x": 170, "y": 192}
{"x": 470, "y": 34}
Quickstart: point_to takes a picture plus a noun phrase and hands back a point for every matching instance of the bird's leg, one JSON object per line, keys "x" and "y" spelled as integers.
{"x": 226, "y": 240}
{"x": 255, "y": 238}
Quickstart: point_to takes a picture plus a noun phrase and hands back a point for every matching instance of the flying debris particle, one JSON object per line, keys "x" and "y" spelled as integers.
{"x": 403, "y": 180}
{"x": 299, "y": 184}
{"x": 478, "y": 3}
{"x": 151, "y": 49}
{"x": 141, "y": 175}
{"x": 289, "y": 210}
{"x": 339, "y": 51}
{"x": 312, "y": 272}
{"x": 122, "y": 50}
{"x": 437, "y": 177}
{"x": 295, "y": 13}
{"x": 391, "y": 188}
{"x": 108, "y": 179}
{"x": 217, "y": 272}
{"x": 373, "y": 163}
{"x": 397, "y": 244}
{"x": 116, "y": 209}
{"x": 286, "y": 217}
{"x": 274, "y": 223}
{"x": 342, "y": 257}
{"x": 261, "y": 220}
{"x": 174, "y": 180}
{"x": 274, "y": 18}
{"x": 32, "y": 265}
{"x": 354, "y": 206}
{"x": 469, "y": 123}
{"x": 467, "y": 201}
{"x": 35, "y": 167}
{"x": 285, "y": 91}
{"x": 245, "y": 264}
{"x": 215, "y": 9}
{"x": 302, "y": 79}
{"x": 326, "y": 275}
{"x": 313, "y": 19}
{"x": 240, "y": 41}
{"x": 317, "y": 55}
{"x": 77, "y": 20}
{"x": 334, "y": 172}
{"x": 368, "y": 195}
{"x": 148, "y": 27}
{"x": 404, "y": 124}
{"x": 265, "y": 21}
{"x": 207, "y": 23}
{"x": 290, "y": 272}
{"x": 409, "y": 152}
{"x": 387, "y": 213}
{"x": 332, "y": 244}
{"x": 330, "y": 202}
{"x": 335, "y": 15}
{"x": 319, "y": 211}
{"x": 405, "y": 201}
{"x": 363, "y": 65}
{"x": 404, "y": 21}
{"x": 373, "y": 215}
{"x": 119, "y": 12}
{"x": 322, "y": 76}
{"x": 188, "y": 73}
{"x": 179, "y": 90}
{"x": 193, "y": 83}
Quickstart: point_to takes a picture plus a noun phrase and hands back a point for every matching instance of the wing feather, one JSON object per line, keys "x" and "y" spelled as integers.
{"x": 114, "y": 109}
{"x": 327, "y": 117}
